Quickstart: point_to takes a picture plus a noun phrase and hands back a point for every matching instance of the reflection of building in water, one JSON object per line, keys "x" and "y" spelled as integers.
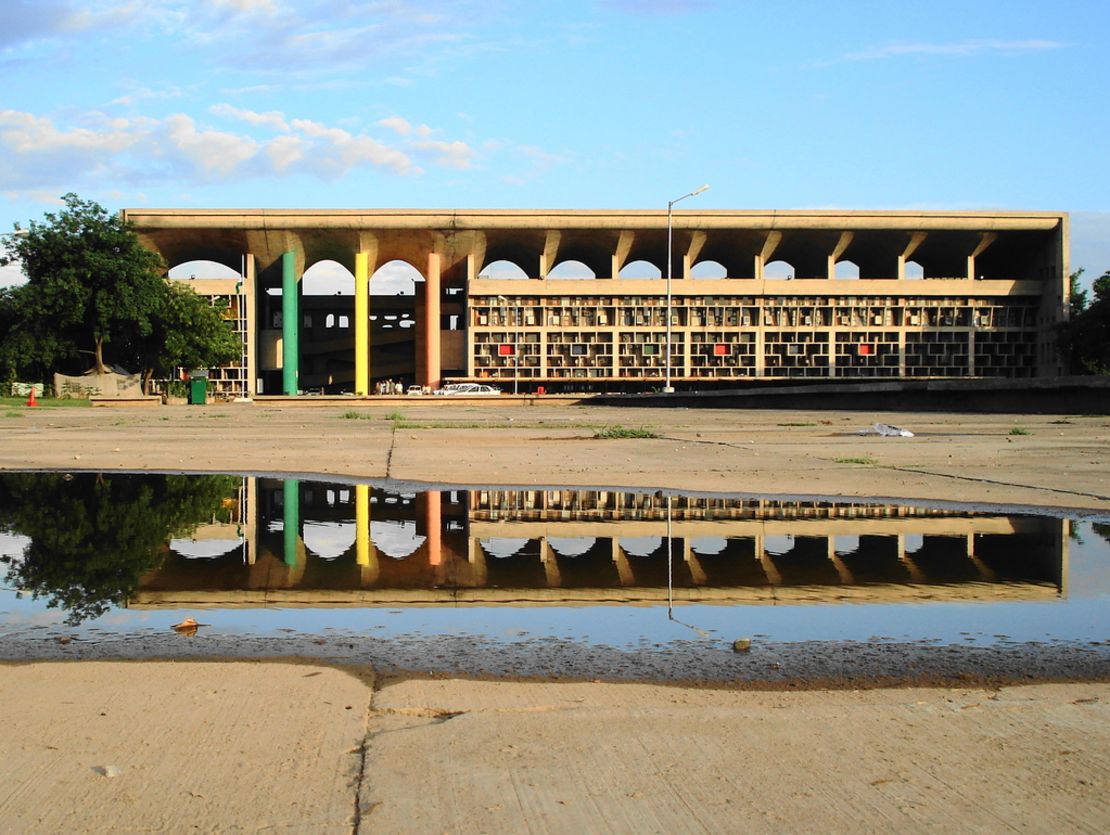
{"x": 310, "y": 543}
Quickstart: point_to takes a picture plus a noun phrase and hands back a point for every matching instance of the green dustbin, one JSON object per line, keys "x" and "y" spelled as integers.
{"x": 198, "y": 390}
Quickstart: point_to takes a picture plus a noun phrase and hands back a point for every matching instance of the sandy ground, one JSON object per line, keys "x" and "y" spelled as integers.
{"x": 110, "y": 747}
{"x": 215, "y": 747}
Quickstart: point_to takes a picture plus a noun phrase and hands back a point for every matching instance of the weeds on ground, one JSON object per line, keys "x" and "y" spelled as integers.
{"x": 14, "y": 414}
{"x": 1017, "y": 430}
{"x": 796, "y": 424}
{"x": 608, "y": 432}
{"x": 860, "y": 459}
{"x": 395, "y": 416}
{"x": 351, "y": 414}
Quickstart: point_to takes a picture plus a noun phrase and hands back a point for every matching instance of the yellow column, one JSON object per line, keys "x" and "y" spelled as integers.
{"x": 431, "y": 323}
{"x": 362, "y": 324}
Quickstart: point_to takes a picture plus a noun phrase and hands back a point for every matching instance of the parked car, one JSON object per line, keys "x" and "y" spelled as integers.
{"x": 466, "y": 389}
{"x": 415, "y": 391}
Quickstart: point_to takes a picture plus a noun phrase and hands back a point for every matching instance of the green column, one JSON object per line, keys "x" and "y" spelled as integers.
{"x": 291, "y": 519}
{"x": 290, "y": 325}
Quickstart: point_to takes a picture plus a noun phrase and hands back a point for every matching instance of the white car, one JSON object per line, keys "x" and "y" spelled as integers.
{"x": 466, "y": 389}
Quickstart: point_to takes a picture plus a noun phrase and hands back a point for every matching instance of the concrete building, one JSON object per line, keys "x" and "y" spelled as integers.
{"x": 755, "y": 296}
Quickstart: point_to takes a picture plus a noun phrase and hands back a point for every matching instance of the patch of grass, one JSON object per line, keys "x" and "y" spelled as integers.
{"x": 47, "y": 402}
{"x": 608, "y": 432}
{"x": 857, "y": 459}
{"x": 796, "y": 424}
{"x": 14, "y": 414}
{"x": 351, "y": 414}
{"x": 1017, "y": 430}
{"x": 395, "y": 416}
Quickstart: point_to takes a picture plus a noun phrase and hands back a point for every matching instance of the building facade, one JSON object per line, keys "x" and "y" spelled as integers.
{"x": 794, "y": 294}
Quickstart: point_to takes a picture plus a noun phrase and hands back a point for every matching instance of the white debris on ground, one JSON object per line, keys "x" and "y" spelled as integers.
{"x": 887, "y": 431}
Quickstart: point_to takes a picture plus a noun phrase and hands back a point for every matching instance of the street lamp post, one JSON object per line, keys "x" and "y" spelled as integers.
{"x": 667, "y": 387}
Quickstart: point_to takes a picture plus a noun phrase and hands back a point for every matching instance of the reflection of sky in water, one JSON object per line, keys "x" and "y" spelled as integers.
{"x": 503, "y": 547}
{"x": 204, "y": 549}
{"x": 641, "y": 546}
{"x": 328, "y": 540}
{"x": 778, "y": 544}
{"x": 396, "y": 539}
{"x": 708, "y": 545}
{"x": 571, "y": 546}
{"x": 12, "y": 545}
{"x": 1083, "y": 616}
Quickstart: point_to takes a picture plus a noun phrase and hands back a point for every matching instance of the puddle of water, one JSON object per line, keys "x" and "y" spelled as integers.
{"x": 289, "y": 567}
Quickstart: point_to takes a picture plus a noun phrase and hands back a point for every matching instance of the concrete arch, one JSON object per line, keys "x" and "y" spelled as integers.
{"x": 779, "y": 269}
{"x": 202, "y": 268}
{"x": 708, "y": 269}
{"x": 572, "y": 268}
{"x": 328, "y": 278}
{"x": 641, "y": 268}
{"x": 503, "y": 269}
{"x": 396, "y": 278}
{"x": 846, "y": 270}
{"x": 914, "y": 270}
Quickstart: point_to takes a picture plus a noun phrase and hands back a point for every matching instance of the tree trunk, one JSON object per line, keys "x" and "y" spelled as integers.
{"x": 100, "y": 367}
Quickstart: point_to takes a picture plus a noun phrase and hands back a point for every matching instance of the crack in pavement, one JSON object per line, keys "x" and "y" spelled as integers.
{"x": 997, "y": 482}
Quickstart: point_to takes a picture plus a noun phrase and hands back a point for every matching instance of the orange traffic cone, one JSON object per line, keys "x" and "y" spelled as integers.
{"x": 31, "y": 402}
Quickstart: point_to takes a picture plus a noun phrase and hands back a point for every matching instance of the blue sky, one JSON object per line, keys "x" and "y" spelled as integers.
{"x": 974, "y": 104}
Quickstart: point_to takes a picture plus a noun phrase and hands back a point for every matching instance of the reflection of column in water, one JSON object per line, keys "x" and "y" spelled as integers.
{"x": 916, "y": 574}
{"x": 843, "y": 572}
{"x": 550, "y": 564}
{"x": 982, "y": 567}
{"x": 291, "y": 519}
{"x": 769, "y": 567}
{"x": 624, "y": 570}
{"x": 433, "y": 526}
{"x": 697, "y": 573}
{"x": 365, "y": 555}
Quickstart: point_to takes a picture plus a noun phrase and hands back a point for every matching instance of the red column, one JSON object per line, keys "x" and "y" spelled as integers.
{"x": 431, "y": 323}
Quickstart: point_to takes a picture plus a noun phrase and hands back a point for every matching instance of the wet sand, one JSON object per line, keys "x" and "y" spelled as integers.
{"x": 191, "y": 739}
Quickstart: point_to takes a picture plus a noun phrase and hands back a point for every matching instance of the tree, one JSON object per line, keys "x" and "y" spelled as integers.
{"x": 186, "y": 330}
{"x": 89, "y": 281}
{"x": 1085, "y": 338}
{"x": 1076, "y": 294}
{"x": 93, "y": 290}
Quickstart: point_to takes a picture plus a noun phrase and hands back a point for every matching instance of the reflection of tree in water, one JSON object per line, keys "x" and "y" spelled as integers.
{"x": 93, "y": 535}
{"x": 1102, "y": 529}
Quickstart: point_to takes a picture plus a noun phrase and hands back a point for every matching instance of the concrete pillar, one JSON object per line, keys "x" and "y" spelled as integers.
{"x": 291, "y": 520}
{"x": 251, "y": 298}
{"x": 430, "y": 325}
{"x": 290, "y": 325}
{"x": 362, "y": 323}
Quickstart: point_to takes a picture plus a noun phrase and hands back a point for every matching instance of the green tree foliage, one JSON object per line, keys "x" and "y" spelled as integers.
{"x": 186, "y": 330}
{"x": 93, "y": 536}
{"x": 89, "y": 281}
{"x": 1085, "y": 338}
{"x": 1077, "y": 296}
{"x": 96, "y": 296}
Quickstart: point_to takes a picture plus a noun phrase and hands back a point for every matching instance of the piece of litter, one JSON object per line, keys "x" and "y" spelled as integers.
{"x": 887, "y": 431}
{"x": 742, "y": 645}
{"x": 107, "y": 770}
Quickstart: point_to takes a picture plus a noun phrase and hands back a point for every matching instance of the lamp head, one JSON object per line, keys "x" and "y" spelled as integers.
{"x": 699, "y": 189}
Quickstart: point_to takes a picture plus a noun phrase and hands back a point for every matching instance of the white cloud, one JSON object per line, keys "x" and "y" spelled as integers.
{"x": 271, "y": 118}
{"x": 397, "y": 124}
{"x": 452, "y": 154}
{"x": 960, "y": 49}
{"x": 213, "y": 153}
